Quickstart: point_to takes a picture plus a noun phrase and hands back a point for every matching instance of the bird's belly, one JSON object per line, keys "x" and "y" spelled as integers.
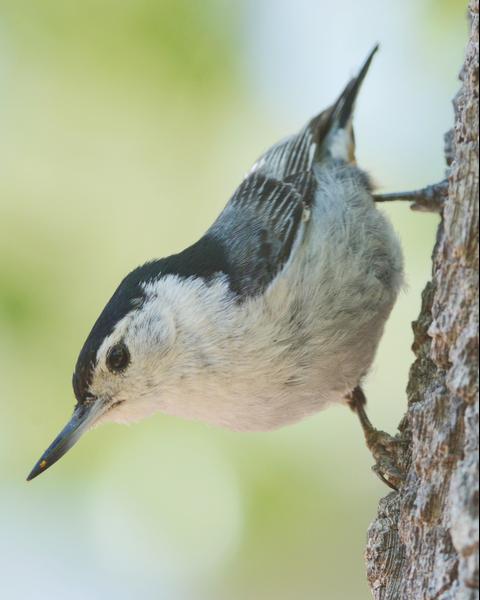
{"x": 311, "y": 337}
{"x": 320, "y": 322}
{"x": 283, "y": 385}
{"x": 254, "y": 409}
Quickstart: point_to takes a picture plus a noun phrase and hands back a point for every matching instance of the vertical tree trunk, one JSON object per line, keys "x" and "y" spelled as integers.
{"x": 423, "y": 545}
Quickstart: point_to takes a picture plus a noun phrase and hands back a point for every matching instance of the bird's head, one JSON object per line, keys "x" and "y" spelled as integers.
{"x": 118, "y": 374}
{"x": 145, "y": 342}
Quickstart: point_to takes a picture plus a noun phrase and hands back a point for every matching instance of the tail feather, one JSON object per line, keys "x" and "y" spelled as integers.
{"x": 346, "y": 102}
{"x": 335, "y": 136}
{"x": 329, "y": 134}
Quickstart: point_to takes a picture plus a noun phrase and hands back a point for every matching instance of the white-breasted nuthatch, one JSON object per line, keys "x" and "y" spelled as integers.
{"x": 275, "y": 313}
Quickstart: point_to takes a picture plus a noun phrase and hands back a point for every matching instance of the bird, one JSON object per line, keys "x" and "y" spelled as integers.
{"x": 273, "y": 315}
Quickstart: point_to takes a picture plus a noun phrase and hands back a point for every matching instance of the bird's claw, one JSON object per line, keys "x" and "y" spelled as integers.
{"x": 385, "y": 450}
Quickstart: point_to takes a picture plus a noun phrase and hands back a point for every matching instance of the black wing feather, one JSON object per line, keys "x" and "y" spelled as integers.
{"x": 297, "y": 153}
{"x": 258, "y": 228}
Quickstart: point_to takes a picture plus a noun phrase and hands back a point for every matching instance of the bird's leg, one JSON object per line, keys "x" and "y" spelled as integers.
{"x": 384, "y": 447}
{"x": 428, "y": 199}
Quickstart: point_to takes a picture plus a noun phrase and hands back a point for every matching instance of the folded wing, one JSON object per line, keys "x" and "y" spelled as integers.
{"x": 259, "y": 227}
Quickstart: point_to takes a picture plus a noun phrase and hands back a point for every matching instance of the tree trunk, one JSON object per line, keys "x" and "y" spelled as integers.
{"x": 423, "y": 545}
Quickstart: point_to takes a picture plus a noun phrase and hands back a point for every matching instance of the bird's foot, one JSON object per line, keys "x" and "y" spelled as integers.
{"x": 386, "y": 449}
{"x": 428, "y": 199}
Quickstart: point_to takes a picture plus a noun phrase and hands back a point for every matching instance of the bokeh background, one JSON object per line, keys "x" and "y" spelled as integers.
{"x": 124, "y": 127}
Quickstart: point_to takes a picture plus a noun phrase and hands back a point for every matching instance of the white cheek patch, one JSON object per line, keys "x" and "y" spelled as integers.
{"x": 154, "y": 326}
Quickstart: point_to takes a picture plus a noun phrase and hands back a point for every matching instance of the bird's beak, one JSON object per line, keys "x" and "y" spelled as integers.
{"x": 84, "y": 416}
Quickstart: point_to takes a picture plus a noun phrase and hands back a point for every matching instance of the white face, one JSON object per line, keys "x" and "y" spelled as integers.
{"x": 152, "y": 361}
{"x": 168, "y": 340}
{"x": 130, "y": 362}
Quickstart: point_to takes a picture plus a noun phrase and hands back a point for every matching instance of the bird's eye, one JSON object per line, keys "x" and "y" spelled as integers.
{"x": 118, "y": 358}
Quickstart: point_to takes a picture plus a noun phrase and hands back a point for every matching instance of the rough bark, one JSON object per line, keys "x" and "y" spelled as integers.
{"x": 423, "y": 544}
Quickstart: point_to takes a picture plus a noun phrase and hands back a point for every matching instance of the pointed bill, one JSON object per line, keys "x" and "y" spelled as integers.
{"x": 84, "y": 416}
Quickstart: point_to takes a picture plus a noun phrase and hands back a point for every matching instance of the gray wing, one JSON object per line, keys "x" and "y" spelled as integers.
{"x": 255, "y": 234}
{"x": 296, "y": 153}
{"x": 259, "y": 226}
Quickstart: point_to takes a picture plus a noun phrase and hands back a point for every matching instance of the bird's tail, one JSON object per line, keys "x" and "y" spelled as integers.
{"x": 333, "y": 133}
{"x": 328, "y": 135}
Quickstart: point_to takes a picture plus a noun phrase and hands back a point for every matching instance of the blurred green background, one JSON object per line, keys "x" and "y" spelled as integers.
{"x": 124, "y": 127}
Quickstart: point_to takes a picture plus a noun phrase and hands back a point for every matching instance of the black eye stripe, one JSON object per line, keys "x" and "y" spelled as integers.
{"x": 118, "y": 358}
